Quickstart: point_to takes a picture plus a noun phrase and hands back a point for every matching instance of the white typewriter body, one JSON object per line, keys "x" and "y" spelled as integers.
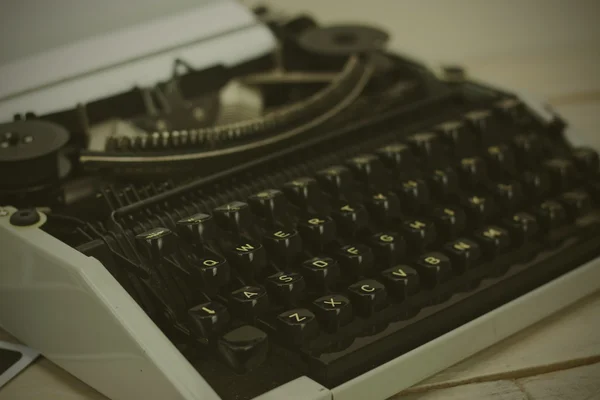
{"x": 70, "y": 308}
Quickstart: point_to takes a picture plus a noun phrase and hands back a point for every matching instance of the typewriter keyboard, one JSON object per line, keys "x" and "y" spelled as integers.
{"x": 332, "y": 269}
{"x": 318, "y": 211}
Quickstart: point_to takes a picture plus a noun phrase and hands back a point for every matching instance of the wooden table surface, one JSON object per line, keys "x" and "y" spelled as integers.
{"x": 547, "y": 48}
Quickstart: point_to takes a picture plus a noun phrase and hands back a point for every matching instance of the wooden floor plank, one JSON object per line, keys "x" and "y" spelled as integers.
{"x": 582, "y": 383}
{"x": 563, "y": 338}
{"x": 499, "y": 390}
{"x": 44, "y": 380}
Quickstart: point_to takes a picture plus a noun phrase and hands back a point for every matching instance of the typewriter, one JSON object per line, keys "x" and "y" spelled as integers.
{"x": 313, "y": 219}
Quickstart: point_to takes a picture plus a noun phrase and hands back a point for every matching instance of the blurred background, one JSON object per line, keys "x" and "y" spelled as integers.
{"x": 549, "y": 48}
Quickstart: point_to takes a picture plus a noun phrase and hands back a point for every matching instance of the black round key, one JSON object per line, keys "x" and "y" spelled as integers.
{"x": 427, "y": 145}
{"x": 414, "y": 195}
{"x": 479, "y": 208}
{"x": 333, "y": 311}
{"x": 367, "y": 296}
{"x": 551, "y": 215}
{"x": 482, "y": 122}
{"x": 286, "y": 287}
{"x": 282, "y": 245}
{"x": 388, "y": 247}
{"x": 419, "y": 234}
{"x": 209, "y": 319}
{"x": 513, "y": 110}
{"x": 396, "y": 156}
{"x": 157, "y": 243}
{"x": 244, "y": 348}
{"x": 577, "y": 203}
{"x": 457, "y": 135}
{"x": 509, "y": 195}
{"x": 493, "y": 240}
{"x": 335, "y": 180}
{"x": 249, "y": 301}
{"x": 214, "y": 271}
{"x": 594, "y": 188}
{"x": 522, "y": 226}
{"x": 501, "y": 160}
{"x": 401, "y": 281}
{"x": 367, "y": 168}
{"x": 320, "y": 273}
{"x": 350, "y": 218}
{"x": 317, "y": 231}
{"x": 197, "y": 229}
{"x": 536, "y": 183}
{"x": 384, "y": 207}
{"x": 473, "y": 171}
{"x": 234, "y": 216}
{"x": 434, "y": 268}
{"x": 443, "y": 183}
{"x": 298, "y": 326}
{"x": 355, "y": 260}
{"x": 563, "y": 173}
{"x": 463, "y": 253}
{"x": 586, "y": 160}
{"x": 248, "y": 258}
{"x": 304, "y": 192}
{"x": 270, "y": 204}
{"x": 528, "y": 148}
{"x": 450, "y": 221}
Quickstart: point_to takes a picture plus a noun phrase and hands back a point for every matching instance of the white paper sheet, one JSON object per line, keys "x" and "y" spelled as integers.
{"x": 214, "y": 32}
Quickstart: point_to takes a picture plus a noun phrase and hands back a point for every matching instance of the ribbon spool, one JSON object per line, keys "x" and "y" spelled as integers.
{"x": 31, "y": 157}
{"x": 343, "y": 40}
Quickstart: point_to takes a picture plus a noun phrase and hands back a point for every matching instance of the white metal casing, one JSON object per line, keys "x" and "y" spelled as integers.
{"x": 69, "y": 307}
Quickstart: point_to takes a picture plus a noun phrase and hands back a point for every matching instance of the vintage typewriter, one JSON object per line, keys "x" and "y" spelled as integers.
{"x": 314, "y": 222}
